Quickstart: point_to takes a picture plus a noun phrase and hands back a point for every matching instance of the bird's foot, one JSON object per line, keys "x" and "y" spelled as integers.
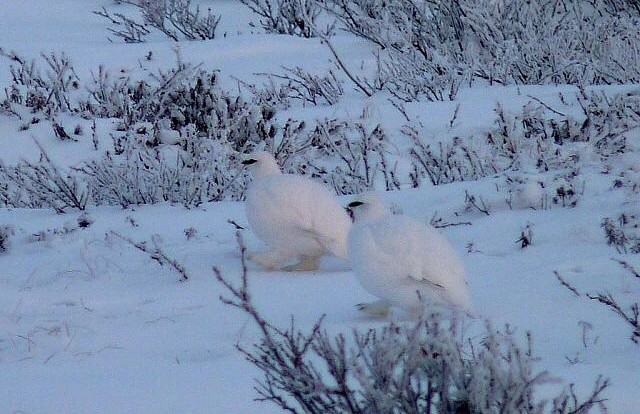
{"x": 379, "y": 308}
{"x": 306, "y": 264}
{"x": 268, "y": 260}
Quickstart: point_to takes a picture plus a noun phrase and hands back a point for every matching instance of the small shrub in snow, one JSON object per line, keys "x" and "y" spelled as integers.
{"x": 623, "y": 232}
{"x": 538, "y": 191}
{"x": 292, "y": 17}
{"x": 5, "y": 234}
{"x": 539, "y": 138}
{"x": 526, "y": 236}
{"x": 49, "y": 92}
{"x": 308, "y": 88}
{"x": 629, "y": 312}
{"x": 426, "y": 50}
{"x": 426, "y": 367}
{"x": 359, "y": 150}
{"x": 445, "y": 162}
{"x": 176, "y": 19}
{"x": 477, "y": 203}
{"x": 184, "y": 95}
{"x": 190, "y": 233}
{"x": 155, "y": 252}
{"x": 43, "y": 184}
{"x": 201, "y": 171}
{"x": 567, "y": 190}
{"x": 419, "y": 44}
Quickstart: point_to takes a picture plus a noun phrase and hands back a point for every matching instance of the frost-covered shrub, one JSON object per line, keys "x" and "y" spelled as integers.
{"x": 292, "y": 17}
{"x": 176, "y": 19}
{"x": 182, "y": 96}
{"x": 172, "y": 99}
{"x": 618, "y": 6}
{"x": 5, "y": 234}
{"x": 428, "y": 49}
{"x": 538, "y": 139}
{"x": 623, "y": 232}
{"x": 610, "y": 119}
{"x": 426, "y": 367}
{"x": 309, "y": 88}
{"x": 540, "y": 42}
{"x": 420, "y": 44}
{"x": 627, "y": 310}
{"x": 445, "y": 162}
{"x": 543, "y": 191}
{"x": 39, "y": 185}
{"x": 48, "y": 92}
{"x": 350, "y": 156}
{"x": 197, "y": 171}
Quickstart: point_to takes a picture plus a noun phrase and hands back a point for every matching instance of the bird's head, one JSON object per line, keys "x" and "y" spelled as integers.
{"x": 261, "y": 163}
{"x": 366, "y": 206}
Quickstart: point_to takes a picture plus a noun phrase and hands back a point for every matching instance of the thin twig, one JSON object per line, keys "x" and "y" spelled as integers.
{"x": 156, "y": 254}
{"x": 566, "y": 284}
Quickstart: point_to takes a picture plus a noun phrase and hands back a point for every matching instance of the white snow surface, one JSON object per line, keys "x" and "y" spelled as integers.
{"x": 89, "y": 324}
{"x": 396, "y": 256}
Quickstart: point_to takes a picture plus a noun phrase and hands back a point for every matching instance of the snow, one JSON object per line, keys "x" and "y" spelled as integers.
{"x": 89, "y": 324}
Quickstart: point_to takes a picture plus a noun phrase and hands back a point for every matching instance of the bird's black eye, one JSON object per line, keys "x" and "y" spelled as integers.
{"x": 249, "y": 161}
{"x": 355, "y": 204}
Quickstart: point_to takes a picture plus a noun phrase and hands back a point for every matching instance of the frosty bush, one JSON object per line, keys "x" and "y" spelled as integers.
{"x": 623, "y": 232}
{"x": 617, "y": 6}
{"x": 419, "y": 44}
{"x": 198, "y": 171}
{"x": 180, "y": 133}
{"x": 5, "y": 234}
{"x": 539, "y": 138}
{"x": 309, "y": 88}
{"x": 184, "y": 95}
{"x": 47, "y": 92}
{"x": 357, "y": 153}
{"x": 629, "y": 312}
{"x": 41, "y": 185}
{"x": 176, "y": 19}
{"x": 172, "y": 99}
{"x": 426, "y": 367}
{"x": 292, "y": 17}
{"x": 428, "y": 49}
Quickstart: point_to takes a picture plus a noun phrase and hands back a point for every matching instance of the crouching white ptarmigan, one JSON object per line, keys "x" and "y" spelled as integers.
{"x": 296, "y": 217}
{"x": 404, "y": 262}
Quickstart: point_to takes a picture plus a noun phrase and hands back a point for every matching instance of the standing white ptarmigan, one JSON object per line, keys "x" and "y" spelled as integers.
{"x": 295, "y": 216}
{"x": 402, "y": 261}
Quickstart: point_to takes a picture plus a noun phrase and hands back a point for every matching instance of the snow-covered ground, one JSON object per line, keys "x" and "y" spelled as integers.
{"x": 89, "y": 324}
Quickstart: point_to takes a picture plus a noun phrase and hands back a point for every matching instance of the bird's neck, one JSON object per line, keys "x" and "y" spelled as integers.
{"x": 265, "y": 171}
{"x": 267, "y": 168}
{"x": 370, "y": 214}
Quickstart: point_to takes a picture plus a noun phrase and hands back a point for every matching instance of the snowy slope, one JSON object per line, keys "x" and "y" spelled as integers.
{"x": 89, "y": 324}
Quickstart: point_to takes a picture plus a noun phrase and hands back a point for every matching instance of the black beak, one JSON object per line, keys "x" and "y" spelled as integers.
{"x": 350, "y": 206}
{"x": 349, "y": 212}
{"x": 249, "y": 161}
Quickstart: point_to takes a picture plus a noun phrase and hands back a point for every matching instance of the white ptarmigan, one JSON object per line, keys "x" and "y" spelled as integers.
{"x": 404, "y": 262}
{"x": 295, "y": 216}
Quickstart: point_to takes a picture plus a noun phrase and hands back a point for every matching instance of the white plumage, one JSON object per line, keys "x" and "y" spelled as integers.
{"x": 295, "y": 216}
{"x": 404, "y": 262}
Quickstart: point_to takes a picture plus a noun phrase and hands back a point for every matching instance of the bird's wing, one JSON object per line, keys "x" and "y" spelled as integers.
{"x": 320, "y": 238}
{"x": 427, "y": 282}
{"x": 392, "y": 237}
